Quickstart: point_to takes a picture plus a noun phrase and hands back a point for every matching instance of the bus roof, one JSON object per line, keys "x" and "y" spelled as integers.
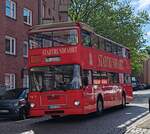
{"x": 58, "y": 25}
{"x": 45, "y": 27}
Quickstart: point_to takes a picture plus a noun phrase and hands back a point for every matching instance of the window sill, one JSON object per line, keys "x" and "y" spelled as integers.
{"x": 7, "y": 53}
{"x": 9, "y": 17}
{"x": 27, "y": 24}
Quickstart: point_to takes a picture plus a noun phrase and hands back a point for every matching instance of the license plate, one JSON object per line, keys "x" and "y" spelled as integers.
{"x": 4, "y": 111}
{"x": 53, "y": 106}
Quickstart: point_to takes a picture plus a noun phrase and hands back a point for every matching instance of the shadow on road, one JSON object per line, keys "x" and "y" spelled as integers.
{"x": 6, "y": 120}
{"x": 112, "y": 121}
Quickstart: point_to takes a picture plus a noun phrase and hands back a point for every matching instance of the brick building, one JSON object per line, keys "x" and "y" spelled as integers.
{"x": 147, "y": 72}
{"x": 16, "y": 18}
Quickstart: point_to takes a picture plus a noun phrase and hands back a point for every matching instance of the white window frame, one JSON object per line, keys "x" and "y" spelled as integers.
{"x": 43, "y": 10}
{"x": 12, "y": 81}
{"x": 12, "y": 13}
{"x": 27, "y": 46}
{"x": 12, "y": 47}
{"x": 26, "y": 81}
{"x": 29, "y": 18}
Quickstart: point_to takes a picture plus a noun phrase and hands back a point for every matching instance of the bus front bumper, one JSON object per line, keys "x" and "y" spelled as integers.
{"x": 62, "y": 112}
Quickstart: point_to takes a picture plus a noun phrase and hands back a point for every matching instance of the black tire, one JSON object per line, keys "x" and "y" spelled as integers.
{"x": 22, "y": 114}
{"x": 99, "y": 106}
{"x": 55, "y": 116}
{"x": 123, "y": 105}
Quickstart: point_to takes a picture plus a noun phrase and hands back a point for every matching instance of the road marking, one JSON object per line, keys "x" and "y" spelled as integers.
{"x": 129, "y": 122}
{"x": 28, "y": 132}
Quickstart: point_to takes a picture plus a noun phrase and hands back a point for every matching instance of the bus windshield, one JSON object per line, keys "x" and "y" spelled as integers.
{"x": 53, "y": 38}
{"x": 62, "y": 77}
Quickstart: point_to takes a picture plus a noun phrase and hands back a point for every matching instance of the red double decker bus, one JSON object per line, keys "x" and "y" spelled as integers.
{"x": 75, "y": 71}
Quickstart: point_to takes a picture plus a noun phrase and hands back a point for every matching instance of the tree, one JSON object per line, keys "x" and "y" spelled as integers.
{"x": 147, "y": 50}
{"x": 83, "y": 10}
{"x": 115, "y": 20}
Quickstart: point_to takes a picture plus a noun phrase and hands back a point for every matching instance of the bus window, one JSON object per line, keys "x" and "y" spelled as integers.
{"x": 104, "y": 78}
{"x": 63, "y": 77}
{"x": 114, "y": 49}
{"x": 127, "y": 78}
{"x": 121, "y": 78}
{"x": 96, "y": 78}
{"x": 108, "y": 46}
{"x": 115, "y": 78}
{"x": 127, "y": 54}
{"x": 86, "y": 77}
{"x": 94, "y": 41}
{"x": 101, "y": 43}
{"x": 86, "y": 38}
{"x": 110, "y": 78}
{"x": 54, "y": 38}
{"x": 119, "y": 51}
{"x": 123, "y": 52}
{"x": 35, "y": 41}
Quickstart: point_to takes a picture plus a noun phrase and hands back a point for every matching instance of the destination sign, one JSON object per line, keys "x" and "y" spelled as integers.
{"x": 57, "y": 51}
{"x": 52, "y": 59}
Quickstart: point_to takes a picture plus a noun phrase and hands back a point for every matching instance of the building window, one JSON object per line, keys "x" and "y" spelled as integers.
{"x": 10, "y": 45}
{"x": 11, "y": 9}
{"x": 27, "y": 15}
{"x": 26, "y": 81}
{"x": 10, "y": 81}
{"x": 25, "y": 49}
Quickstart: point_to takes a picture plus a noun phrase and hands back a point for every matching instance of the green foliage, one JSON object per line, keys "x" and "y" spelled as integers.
{"x": 115, "y": 20}
{"x": 146, "y": 50}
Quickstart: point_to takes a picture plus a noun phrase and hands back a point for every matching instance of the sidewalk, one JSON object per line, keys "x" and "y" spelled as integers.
{"x": 142, "y": 126}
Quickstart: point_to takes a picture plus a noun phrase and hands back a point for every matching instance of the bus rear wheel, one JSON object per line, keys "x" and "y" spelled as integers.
{"x": 123, "y": 100}
{"x": 99, "y": 106}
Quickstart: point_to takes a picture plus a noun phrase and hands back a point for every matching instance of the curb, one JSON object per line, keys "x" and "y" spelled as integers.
{"x": 139, "y": 120}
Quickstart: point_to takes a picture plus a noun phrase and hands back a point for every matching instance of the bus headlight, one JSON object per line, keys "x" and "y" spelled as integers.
{"x": 32, "y": 105}
{"x": 77, "y": 103}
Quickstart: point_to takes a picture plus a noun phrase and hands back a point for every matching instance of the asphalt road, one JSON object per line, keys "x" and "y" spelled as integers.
{"x": 112, "y": 121}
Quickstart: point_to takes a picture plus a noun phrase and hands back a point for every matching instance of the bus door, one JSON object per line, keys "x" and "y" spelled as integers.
{"x": 107, "y": 90}
{"x": 117, "y": 90}
{"x": 89, "y": 92}
{"x": 108, "y": 93}
{"x": 117, "y": 94}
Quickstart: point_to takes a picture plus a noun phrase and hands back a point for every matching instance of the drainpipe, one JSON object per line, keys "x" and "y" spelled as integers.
{"x": 39, "y": 11}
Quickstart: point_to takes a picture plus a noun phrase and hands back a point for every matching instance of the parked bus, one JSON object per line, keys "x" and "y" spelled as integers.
{"x": 75, "y": 71}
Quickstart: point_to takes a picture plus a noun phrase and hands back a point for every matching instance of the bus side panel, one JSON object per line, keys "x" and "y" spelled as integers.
{"x": 129, "y": 92}
{"x": 89, "y": 99}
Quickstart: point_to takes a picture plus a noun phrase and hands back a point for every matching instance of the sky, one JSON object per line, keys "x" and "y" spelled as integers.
{"x": 139, "y": 6}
